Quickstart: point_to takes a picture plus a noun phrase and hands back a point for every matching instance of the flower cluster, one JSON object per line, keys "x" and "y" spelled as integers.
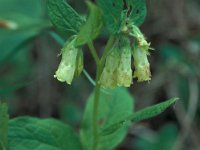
{"x": 117, "y": 70}
{"x": 71, "y": 63}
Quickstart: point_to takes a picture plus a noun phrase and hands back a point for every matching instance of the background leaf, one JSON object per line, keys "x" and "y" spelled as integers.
{"x": 64, "y": 17}
{"x": 3, "y": 126}
{"x": 25, "y": 22}
{"x": 37, "y": 134}
{"x": 90, "y": 30}
{"x": 114, "y": 106}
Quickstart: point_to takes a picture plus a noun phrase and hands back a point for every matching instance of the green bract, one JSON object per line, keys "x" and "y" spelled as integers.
{"x": 71, "y": 62}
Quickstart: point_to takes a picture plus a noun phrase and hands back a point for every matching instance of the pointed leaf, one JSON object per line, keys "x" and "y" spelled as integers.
{"x": 143, "y": 114}
{"x": 90, "y": 30}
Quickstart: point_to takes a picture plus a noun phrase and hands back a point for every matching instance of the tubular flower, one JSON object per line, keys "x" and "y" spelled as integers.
{"x": 108, "y": 77}
{"x": 117, "y": 70}
{"x": 68, "y": 65}
{"x": 140, "y": 52}
{"x": 124, "y": 71}
{"x": 142, "y": 67}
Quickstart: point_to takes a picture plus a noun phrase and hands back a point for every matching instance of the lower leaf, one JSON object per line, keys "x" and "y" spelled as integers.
{"x": 27, "y": 133}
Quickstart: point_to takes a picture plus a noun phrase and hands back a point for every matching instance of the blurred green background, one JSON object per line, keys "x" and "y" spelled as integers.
{"x": 28, "y": 59}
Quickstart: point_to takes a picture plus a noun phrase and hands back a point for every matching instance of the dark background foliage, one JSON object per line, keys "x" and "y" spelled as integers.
{"x": 28, "y": 60}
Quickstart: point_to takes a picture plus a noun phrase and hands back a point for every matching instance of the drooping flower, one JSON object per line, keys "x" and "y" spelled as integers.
{"x": 140, "y": 53}
{"x": 108, "y": 77}
{"x": 142, "y": 66}
{"x": 124, "y": 71}
{"x": 117, "y": 70}
{"x": 68, "y": 65}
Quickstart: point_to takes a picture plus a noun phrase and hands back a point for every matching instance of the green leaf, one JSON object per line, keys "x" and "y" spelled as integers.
{"x": 90, "y": 30}
{"x": 64, "y": 17}
{"x": 3, "y": 126}
{"x": 112, "y": 14}
{"x": 143, "y": 114}
{"x": 41, "y": 134}
{"x": 114, "y": 105}
{"x": 137, "y": 11}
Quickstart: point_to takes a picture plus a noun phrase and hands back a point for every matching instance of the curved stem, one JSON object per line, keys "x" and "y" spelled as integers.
{"x": 94, "y": 53}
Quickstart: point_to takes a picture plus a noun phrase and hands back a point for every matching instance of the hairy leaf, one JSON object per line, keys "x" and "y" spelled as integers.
{"x": 112, "y": 14}
{"x": 137, "y": 11}
{"x": 64, "y": 17}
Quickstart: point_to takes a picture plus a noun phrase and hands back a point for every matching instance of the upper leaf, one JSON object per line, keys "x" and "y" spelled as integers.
{"x": 3, "y": 126}
{"x": 64, "y": 17}
{"x": 137, "y": 10}
{"x": 92, "y": 27}
{"x": 37, "y": 134}
{"x": 114, "y": 105}
{"x": 118, "y": 12}
{"x": 112, "y": 14}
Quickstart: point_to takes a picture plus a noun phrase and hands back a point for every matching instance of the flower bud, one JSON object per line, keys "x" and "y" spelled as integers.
{"x": 142, "y": 67}
{"x": 67, "y": 66}
{"x": 124, "y": 71}
{"x": 108, "y": 77}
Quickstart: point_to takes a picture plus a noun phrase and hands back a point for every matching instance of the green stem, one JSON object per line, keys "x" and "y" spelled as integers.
{"x": 100, "y": 65}
{"x": 107, "y": 49}
{"x": 94, "y": 53}
{"x": 95, "y": 109}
